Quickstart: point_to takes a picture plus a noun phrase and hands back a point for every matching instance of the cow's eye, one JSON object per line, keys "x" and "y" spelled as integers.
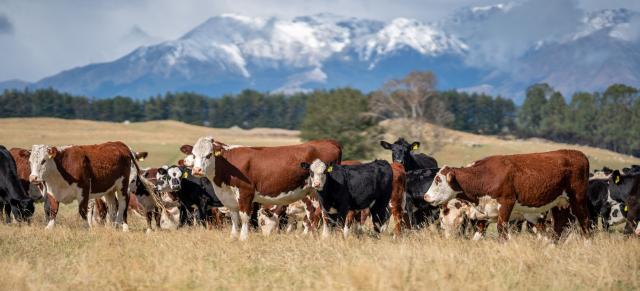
{"x": 43, "y": 161}
{"x": 208, "y": 156}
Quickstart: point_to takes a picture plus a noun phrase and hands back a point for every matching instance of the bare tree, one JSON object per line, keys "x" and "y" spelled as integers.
{"x": 413, "y": 98}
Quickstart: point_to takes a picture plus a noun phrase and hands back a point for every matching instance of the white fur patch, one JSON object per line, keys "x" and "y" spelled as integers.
{"x": 284, "y": 197}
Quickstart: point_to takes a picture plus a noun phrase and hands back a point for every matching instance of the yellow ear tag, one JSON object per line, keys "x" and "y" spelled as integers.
{"x": 329, "y": 169}
{"x": 617, "y": 180}
{"x": 217, "y": 153}
{"x": 141, "y": 159}
{"x": 50, "y": 156}
{"x": 626, "y": 208}
{"x": 415, "y": 147}
{"x": 185, "y": 175}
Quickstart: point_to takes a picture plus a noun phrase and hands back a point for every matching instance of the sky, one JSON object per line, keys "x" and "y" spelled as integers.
{"x": 39, "y": 38}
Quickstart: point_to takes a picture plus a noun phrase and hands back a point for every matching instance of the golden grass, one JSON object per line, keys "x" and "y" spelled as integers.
{"x": 71, "y": 257}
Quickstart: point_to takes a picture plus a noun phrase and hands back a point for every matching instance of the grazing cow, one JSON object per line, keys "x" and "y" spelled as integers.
{"x": 84, "y": 172}
{"x": 267, "y": 175}
{"x": 12, "y": 194}
{"x": 624, "y": 191}
{"x": 528, "y": 183}
{"x": 421, "y": 213}
{"x": 192, "y": 192}
{"x": 342, "y": 190}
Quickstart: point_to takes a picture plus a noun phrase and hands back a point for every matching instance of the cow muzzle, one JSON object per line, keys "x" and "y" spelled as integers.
{"x": 34, "y": 179}
{"x": 197, "y": 171}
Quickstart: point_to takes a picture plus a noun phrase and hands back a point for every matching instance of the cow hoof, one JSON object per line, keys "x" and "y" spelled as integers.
{"x": 244, "y": 237}
{"x": 125, "y": 227}
{"x": 477, "y": 236}
{"x": 50, "y": 225}
{"x": 149, "y": 230}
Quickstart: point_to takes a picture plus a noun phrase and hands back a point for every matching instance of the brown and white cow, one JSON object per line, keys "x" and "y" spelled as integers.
{"x": 84, "y": 172}
{"x": 526, "y": 183}
{"x": 267, "y": 175}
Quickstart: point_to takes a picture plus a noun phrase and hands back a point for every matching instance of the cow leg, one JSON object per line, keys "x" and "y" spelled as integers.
{"x": 6, "y": 207}
{"x": 112, "y": 206}
{"x": 325, "y": 225}
{"x": 398, "y": 215}
{"x": 503, "y": 219}
{"x": 149, "y": 215}
{"x": 157, "y": 216}
{"x": 348, "y": 221}
{"x": 235, "y": 221}
{"x": 53, "y": 210}
{"x": 83, "y": 207}
{"x": 123, "y": 206}
{"x": 561, "y": 220}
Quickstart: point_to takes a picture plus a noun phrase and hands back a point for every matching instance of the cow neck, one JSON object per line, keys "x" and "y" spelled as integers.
{"x": 223, "y": 169}
{"x": 56, "y": 176}
{"x": 468, "y": 183}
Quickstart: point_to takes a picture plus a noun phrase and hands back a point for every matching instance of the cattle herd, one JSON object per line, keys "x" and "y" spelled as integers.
{"x": 275, "y": 189}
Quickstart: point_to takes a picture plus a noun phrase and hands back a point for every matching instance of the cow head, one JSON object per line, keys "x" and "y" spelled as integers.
{"x": 400, "y": 149}
{"x": 452, "y": 217}
{"x": 41, "y": 162}
{"x": 168, "y": 179}
{"x": 617, "y": 214}
{"x": 268, "y": 221}
{"x": 204, "y": 152}
{"x": 317, "y": 173}
{"x": 443, "y": 188}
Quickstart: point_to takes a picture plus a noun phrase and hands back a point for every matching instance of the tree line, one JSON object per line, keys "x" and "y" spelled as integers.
{"x": 606, "y": 119}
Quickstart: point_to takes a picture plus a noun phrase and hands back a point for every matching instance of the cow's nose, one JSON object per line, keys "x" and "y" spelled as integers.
{"x": 33, "y": 178}
{"x": 197, "y": 171}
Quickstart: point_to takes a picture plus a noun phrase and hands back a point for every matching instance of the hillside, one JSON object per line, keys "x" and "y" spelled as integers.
{"x": 163, "y": 138}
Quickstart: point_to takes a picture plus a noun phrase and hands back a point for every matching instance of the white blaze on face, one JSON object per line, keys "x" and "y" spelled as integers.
{"x": 189, "y": 160}
{"x": 452, "y": 216}
{"x": 175, "y": 174}
{"x": 440, "y": 190}
{"x": 203, "y": 155}
{"x": 318, "y": 175}
{"x": 616, "y": 216}
{"x": 268, "y": 223}
{"x": 39, "y": 161}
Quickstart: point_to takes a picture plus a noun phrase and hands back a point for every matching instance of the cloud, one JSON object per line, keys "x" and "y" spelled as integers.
{"x": 5, "y": 25}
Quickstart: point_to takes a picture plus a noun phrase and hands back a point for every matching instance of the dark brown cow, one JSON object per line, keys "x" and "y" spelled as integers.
{"x": 267, "y": 175}
{"x": 83, "y": 172}
{"x": 526, "y": 183}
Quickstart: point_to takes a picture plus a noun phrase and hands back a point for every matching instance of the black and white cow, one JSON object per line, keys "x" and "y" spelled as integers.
{"x": 344, "y": 189}
{"x": 599, "y": 203}
{"x": 624, "y": 195}
{"x": 12, "y": 195}
{"x": 191, "y": 191}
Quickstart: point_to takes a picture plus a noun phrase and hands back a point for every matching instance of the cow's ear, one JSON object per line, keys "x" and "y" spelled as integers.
{"x": 415, "y": 145}
{"x": 186, "y": 149}
{"x": 385, "y": 145}
{"x": 450, "y": 178}
{"x": 140, "y": 156}
{"x": 52, "y": 151}
{"x": 305, "y": 166}
{"x": 615, "y": 177}
{"x": 181, "y": 163}
{"x": 25, "y": 153}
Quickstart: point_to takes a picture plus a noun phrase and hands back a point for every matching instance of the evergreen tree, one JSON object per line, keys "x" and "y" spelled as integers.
{"x": 531, "y": 113}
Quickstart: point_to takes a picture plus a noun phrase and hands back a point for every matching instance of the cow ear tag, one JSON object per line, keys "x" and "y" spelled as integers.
{"x": 617, "y": 180}
{"x": 626, "y": 208}
{"x": 329, "y": 169}
{"x": 50, "y": 156}
{"x": 415, "y": 147}
{"x": 184, "y": 175}
{"x": 217, "y": 153}
{"x": 141, "y": 159}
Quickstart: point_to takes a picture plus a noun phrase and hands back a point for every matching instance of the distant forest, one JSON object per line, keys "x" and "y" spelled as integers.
{"x": 609, "y": 119}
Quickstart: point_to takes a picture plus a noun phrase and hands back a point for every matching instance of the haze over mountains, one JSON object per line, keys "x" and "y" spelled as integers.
{"x": 229, "y": 53}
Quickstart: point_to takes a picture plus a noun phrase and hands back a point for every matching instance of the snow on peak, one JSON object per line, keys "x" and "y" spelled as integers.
{"x": 606, "y": 19}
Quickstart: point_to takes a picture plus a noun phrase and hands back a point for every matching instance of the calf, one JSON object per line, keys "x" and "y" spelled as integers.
{"x": 528, "y": 183}
{"x": 84, "y": 172}
{"x": 420, "y": 212}
{"x": 192, "y": 192}
{"x": 624, "y": 191}
{"x": 267, "y": 175}
{"x": 12, "y": 195}
{"x": 342, "y": 190}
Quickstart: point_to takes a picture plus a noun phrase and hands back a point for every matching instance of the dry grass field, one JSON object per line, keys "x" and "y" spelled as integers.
{"x": 71, "y": 257}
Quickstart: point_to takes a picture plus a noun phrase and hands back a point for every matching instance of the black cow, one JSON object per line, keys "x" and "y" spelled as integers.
{"x": 598, "y": 203}
{"x": 191, "y": 191}
{"x": 402, "y": 152}
{"x": 344, "y": 189}
{"x": 421, "y": 213}
{"x": 11, "y": 191}
{"x": 418, "y": 182}
{"x": 625, "y": 192}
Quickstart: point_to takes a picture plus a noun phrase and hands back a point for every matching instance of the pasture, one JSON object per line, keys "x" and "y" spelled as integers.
{"x": 72, "y": 257}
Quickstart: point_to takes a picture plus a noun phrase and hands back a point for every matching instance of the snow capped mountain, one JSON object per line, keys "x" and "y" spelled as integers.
{"x": 475, "y": 50}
